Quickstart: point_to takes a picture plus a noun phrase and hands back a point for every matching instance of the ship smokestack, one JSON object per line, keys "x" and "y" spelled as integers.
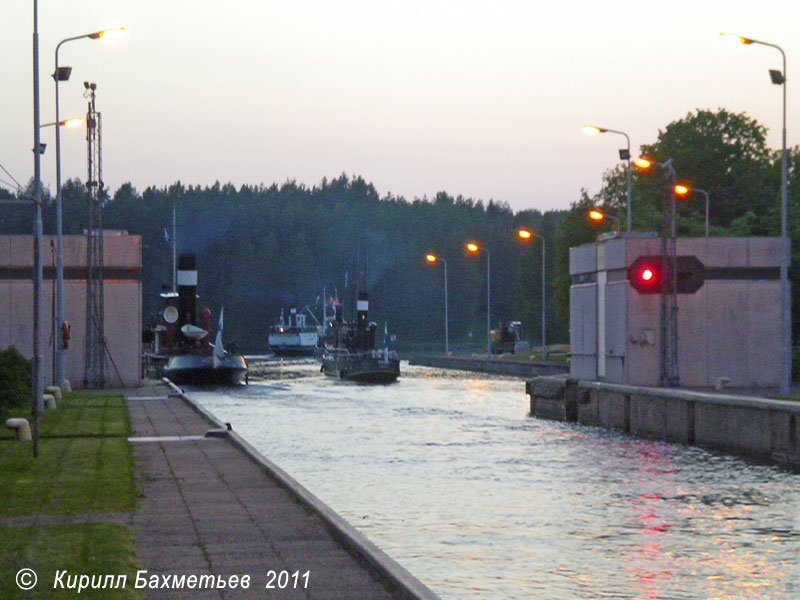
{"x": 187, "y": 289}
{"x": 362, "y": 311}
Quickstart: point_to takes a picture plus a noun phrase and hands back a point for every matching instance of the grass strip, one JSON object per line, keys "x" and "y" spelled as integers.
{"x": 98, "y": 549}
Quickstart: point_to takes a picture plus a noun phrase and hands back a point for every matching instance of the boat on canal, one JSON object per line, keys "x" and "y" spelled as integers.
{"x": 182, "y": 350}
{"x": 293, "y": 337}
{"x": 349, "y": 352}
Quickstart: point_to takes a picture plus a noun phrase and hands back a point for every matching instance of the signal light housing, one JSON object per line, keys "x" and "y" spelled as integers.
{"x": 646, "y": 275}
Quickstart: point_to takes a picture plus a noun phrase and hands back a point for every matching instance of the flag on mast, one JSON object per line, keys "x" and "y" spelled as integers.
{"x": 219, "y": 351}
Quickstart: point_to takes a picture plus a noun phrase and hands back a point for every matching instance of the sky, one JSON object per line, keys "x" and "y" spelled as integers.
{"x": 479, "y": 98}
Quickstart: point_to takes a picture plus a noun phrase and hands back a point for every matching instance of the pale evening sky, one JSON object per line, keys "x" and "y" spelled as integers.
{"x": 482, "y": 98}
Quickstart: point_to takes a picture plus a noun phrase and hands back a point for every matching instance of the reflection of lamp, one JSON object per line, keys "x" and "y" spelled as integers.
{"x": 63, "y": 74}
{"x": 432, "y": 260}
{"x": 624, "y": 154}
{"x": 474, "y": 248}
{"x": 526, "y": 235}
{"x": 779, "y": 78}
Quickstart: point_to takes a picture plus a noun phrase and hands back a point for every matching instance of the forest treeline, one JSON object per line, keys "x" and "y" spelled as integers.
{"x": 263, "y": 248}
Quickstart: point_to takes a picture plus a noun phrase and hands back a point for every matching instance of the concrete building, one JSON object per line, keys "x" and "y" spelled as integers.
{"x": 728, "y": 329}
{"x": 122, "y": 299}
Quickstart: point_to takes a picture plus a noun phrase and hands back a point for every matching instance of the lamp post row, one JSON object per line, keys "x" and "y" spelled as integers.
{"x": 524, "y": 234}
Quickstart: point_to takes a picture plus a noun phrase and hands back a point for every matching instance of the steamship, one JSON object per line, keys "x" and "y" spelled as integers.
{"x": 182, "y": 349}
{"x": 349, "y": 349}
{"x": 293, "y": 338}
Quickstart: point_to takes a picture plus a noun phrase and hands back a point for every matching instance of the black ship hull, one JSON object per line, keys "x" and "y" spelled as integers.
{"x": 363, "y": 367}
{"x": 196, "y": 369}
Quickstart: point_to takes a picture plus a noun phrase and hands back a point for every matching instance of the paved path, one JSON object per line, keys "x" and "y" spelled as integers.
{"x": 207, "y": 508}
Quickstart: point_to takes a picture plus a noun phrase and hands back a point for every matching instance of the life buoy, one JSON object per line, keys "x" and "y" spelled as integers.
{"x": 65, "y": 333}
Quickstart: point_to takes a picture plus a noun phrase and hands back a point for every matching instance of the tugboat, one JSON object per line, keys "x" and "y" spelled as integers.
{"x": 182, "y": 351}
{"x": 294, "y": 338}
{"x": 349, "y": 349}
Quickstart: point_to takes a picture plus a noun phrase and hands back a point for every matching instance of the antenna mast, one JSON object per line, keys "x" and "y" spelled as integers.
{"x": 94, "y": 376}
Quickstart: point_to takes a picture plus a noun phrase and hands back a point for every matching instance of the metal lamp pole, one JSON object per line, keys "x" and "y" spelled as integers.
{"x": 786, "y": 301}
{"x": 433, "y": 259}
{"x": 37, "y": 401}
{"x": 624, "y": 154}
{"x": 474, "y": 249}
{"x": 526, "y": 234}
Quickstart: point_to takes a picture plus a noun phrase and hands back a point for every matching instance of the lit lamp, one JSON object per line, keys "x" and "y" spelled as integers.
{"x": 432, "y": 259}
{"x": 63, "y": 74}
{"x": 599, "y": 216}
{"x": 683, "y": 191}
{"x": 779, "y": 78}
{"x": 527, "y": 235}
{"x": 624, "y": 154}
{"x": 474, "y": 248}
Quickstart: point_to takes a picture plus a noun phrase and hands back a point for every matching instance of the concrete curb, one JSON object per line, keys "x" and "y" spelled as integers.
{"x": 409, "y": 586}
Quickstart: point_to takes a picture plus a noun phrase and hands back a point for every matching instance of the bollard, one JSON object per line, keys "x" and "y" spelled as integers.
{"x": 67, "y": 387}
{"x": 21, "y": 427}
{"x": 55, "y": 390}
{"x": 49, "y": 401}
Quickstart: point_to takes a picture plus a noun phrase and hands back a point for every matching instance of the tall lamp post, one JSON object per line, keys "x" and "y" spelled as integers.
{"x": 432, "y": 260}
{"x": 37, "y": 401}
{"x": 474, "y": 248}
{"x": 682, "y": 191}
{"x": 779, "y": 78}
{"x": 62, "y": 74}
{"x": 624, "y": 154}
{"x": 525, "y": 235}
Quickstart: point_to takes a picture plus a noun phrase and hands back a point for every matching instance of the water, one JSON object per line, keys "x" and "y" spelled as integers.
{"x": 446, "y": 473}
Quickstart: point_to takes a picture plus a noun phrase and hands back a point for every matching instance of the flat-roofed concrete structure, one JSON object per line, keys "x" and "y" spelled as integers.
{"x": 122, "y": 258}
{"x": 728, "y": 330}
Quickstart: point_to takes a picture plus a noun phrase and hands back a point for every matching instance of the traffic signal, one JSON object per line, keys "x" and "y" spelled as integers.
{"x": 646, "y": 275}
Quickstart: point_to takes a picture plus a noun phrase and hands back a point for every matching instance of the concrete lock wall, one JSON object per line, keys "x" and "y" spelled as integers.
{"x": 749, "y": 426}
{"x": 729, "y": 328}
{"x": 122, "y": 297}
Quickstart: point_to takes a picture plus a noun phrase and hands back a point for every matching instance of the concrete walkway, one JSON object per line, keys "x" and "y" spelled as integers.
{"x": 208, "y": 508}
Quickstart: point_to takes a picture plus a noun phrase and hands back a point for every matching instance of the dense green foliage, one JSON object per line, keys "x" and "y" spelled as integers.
{"x": 262, "y": 249}
{"x": 15, "y": 380}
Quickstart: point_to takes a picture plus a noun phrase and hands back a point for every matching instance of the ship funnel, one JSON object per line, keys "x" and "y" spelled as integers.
{"x": 362, "y": 311}
{"x": 187, "y": 289}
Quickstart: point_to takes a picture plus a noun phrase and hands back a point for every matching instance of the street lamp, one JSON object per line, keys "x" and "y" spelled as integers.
{"x": 682, "y": 191}
{"x": 432, "y": 260}
{"x": 599, "y": 216}
{"x": 474, "y": 248}
{"x": 624, "y": 154}
{"x": 62, "y": 74}
{"x": 779, "y": 78}
{"x": 526, "y": 235}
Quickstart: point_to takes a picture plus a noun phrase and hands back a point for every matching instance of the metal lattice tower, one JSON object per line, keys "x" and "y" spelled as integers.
{"x": 94, "y": 376}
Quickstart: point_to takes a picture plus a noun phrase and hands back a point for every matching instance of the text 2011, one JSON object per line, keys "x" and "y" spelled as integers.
{"x": 285, "y": 580}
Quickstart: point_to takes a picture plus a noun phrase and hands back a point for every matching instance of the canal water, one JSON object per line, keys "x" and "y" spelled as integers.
{"x": 446, "y": 473}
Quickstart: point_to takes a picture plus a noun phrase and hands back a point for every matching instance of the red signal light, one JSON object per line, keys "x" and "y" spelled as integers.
{"x": 645, "y": 274}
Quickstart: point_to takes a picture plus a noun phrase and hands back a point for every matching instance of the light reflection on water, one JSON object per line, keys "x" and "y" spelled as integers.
{"x": 444, "y": 471}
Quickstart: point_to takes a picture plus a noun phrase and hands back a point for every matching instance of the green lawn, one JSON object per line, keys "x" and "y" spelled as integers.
{"x": 91, "y": 549}
{"x": 85, "y": 466}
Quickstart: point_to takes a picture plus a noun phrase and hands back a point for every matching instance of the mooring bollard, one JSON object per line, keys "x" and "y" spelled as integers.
{"x": 55, "y": 390}
{"x": 49, "y": 401}
{"x": 21, "y": 427}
